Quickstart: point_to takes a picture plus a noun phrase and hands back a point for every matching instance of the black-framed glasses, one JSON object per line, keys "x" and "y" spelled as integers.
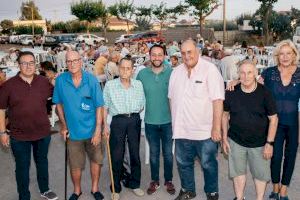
{"x": 75, "y": 61}
{"x": 26, "y": 64}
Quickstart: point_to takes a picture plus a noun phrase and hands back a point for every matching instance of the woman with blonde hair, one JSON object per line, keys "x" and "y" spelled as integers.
{"x": 283, "y": 81}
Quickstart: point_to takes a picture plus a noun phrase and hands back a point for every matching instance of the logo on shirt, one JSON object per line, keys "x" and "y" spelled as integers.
{"x": 85, "y": 107}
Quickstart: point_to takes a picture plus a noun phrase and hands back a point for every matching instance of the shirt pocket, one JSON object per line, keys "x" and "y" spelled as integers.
{"x": 199, "y": 89}
{"x": 87, "y": 104}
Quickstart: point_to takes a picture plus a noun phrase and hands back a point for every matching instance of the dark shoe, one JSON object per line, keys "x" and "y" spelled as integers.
{"x": 236, "y": 198}
{"x": 284, "y": 198}
{"x": 170, "y": 187}
{"x": 274, "y": 196}
{"x": 49, "y": 195}
{"x": 154, "y": 185}
{"x": 75, "y": 196}
{"x": 212, "y": 196}
{"x": 185, "y": 195}
{"x": 97, "y": 195}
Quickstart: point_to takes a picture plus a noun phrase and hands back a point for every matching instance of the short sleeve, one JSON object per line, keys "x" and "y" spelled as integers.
{"x": 4, "y": 96}
{"x": 227, "y": 101}
{"x": 171, "y": 85}
{"x": 56, "y": 98}
{"x": 97, "y": 93}
{"x": 215, "y": 84}
{"x": 269, "y": 103}
{"x": 106, "y": 95}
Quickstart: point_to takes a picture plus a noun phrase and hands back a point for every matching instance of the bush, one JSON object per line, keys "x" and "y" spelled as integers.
{"x": 28, "y": 30}
{"x": 218, "y": 25}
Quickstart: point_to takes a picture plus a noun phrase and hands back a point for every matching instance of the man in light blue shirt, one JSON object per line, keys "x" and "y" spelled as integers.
{"x": 124, "y": 100}
{"x": 79, "y": 101}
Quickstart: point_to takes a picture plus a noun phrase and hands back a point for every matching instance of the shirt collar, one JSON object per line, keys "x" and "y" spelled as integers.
{"x": 120, "y": 84}
{"x": 84, "y": 78}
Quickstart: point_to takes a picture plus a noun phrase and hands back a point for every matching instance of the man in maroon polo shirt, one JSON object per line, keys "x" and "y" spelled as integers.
{"x": 25, "y": 96}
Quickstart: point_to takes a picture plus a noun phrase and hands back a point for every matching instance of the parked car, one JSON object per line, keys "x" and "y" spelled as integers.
{"x": 123, "y": 37}
{"x": 4, "y": 39}
{"x": 90, "y": 38}
{"x": 54, "y": 40}
{"x": 27, "y": 40}
{"x": 145, "y": 37}
{"x": 21, "y": 38}
{"x": 14, "y": 39}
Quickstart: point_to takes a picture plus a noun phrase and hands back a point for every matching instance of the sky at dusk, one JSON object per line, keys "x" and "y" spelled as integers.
{"x": 59, "y": 10}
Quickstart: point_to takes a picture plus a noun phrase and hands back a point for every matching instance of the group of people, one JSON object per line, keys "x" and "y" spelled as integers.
{"x": 255, "y": 120}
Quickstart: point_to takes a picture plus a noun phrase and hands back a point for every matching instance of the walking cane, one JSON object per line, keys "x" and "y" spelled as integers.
{"x": 110, "y": 168}
{"x": 66, "y": 166}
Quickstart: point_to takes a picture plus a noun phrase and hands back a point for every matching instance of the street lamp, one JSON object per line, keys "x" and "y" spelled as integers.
{"x": 32, "y": 23}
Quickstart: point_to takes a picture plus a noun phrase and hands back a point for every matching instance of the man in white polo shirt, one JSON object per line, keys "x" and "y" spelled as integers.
{"x": 196, "y": 93}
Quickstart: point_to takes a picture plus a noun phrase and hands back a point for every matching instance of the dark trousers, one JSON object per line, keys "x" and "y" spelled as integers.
{"x": 22, "y": 154}
{"x": 120, "y": 128}
{"x": 157, "y": 134}
{"x": 286, "y": 140}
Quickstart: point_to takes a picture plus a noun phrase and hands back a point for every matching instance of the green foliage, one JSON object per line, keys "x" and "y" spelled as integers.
{"x": 142, "y": 24}
{"x": 281, "y": 26}
{"x": 201, "y": 9}
{"x": 7, "y": 26}
{"x": 87, "y": 10}
{"x": 295, "y": 17}
{"x": 28, "y": 30}
{"x": 123, "y": 10}
{"x": 26, "y": 11}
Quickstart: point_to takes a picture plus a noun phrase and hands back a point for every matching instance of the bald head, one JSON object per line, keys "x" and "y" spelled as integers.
{"x": 72, "y": 54}
{"x": 190, "y": 53}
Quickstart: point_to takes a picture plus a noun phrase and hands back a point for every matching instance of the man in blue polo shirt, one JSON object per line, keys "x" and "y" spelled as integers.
{"x": 79, "y": 103}
{"x": 158, "y": 125}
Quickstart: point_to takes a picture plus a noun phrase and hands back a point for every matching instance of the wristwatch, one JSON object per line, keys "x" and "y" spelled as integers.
{"x": 3, "y": 132}
{"x": 270, "y": 143}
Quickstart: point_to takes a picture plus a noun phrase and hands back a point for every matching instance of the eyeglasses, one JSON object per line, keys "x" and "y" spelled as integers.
{"x": 75, "y": 61}
{"x": 26, "y": 64}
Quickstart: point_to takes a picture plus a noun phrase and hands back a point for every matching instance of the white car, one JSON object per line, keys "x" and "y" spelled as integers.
{"x": 89, "y": 38}
{"x": 26, "y": 40}
{"x": 296, "y": 37}
{"x": 123, "y": 37}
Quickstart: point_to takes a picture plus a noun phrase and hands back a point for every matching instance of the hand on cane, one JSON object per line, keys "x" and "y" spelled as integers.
{"x": 64, "y": 132}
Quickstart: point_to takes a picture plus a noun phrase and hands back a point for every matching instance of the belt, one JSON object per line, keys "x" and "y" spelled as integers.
{"x": 128, "y": 115}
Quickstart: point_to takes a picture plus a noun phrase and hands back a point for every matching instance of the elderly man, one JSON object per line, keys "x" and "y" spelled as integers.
{"x": 25, "y": 96}
{"x": 253, "y": 125}
{"x": 230, "y": 63}
{"x": 196, "y": 93}
{"x": 79, "y": 104}
{"x": 124, "y": 100}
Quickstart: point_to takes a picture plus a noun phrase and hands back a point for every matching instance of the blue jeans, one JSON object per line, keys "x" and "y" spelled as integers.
{"x": 156, "y": 134}
{"x": 22, "y": 154}
{"x": 206, "y": 151}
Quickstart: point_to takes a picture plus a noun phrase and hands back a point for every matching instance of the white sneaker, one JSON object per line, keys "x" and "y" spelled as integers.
{"x": 115, "y": 196}
{"x": 49, "y": 195}
{"x": 138, "y": 192}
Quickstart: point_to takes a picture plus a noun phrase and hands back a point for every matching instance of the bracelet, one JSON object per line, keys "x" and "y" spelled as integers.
{"x": 3, "y": 132}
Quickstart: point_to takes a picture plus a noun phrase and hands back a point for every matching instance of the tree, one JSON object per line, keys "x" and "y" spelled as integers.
{"x": 29, "y": 10}
{"x": 105, "y": 20}
{"x": 266, "y": 10}
{"x": 202, "y": 9}
{"x": 143, "y": 18}
{"x": 282, "y": 26}
{"x": 295, "y": 18}
{"x": 7, "y": 26}
{"x": 162, "y": 13}
{"x": 88, "y": 11}
{"x": 28, "y": 30}
{"x": 123, "y": 10}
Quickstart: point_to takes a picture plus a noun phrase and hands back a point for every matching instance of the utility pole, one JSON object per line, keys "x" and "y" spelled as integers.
{"x": 32, "y": 22}
{"x": 224, "y": 21}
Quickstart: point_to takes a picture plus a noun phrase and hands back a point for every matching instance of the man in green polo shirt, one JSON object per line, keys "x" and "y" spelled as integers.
{"x": 158, "y": 126}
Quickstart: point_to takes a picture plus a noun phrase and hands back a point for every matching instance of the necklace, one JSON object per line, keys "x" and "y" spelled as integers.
{"x": 243, "y": 89}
